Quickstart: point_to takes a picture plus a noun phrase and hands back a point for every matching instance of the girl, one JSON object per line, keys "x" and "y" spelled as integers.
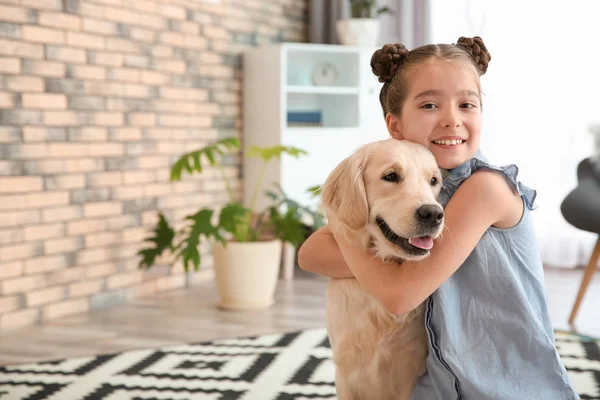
{"x": 486, "y": 316}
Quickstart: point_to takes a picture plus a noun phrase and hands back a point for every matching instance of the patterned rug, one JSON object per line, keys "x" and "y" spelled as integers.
{"x": 287, "y": 366}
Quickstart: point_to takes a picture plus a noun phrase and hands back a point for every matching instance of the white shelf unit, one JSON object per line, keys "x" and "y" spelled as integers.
{"x": 322, "y": 89}
{"x": 277, "y": 80}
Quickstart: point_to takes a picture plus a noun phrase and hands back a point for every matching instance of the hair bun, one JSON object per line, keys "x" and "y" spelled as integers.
{"x": 476, "y": 49}
{"x": 385, "y": 61}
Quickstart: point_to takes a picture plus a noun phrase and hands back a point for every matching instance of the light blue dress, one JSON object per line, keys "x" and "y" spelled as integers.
{"x": 489, "y": 329}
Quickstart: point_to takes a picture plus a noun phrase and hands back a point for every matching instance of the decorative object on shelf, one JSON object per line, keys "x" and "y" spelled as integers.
{"x": 324, "y": 74}
{"x": 304, "y": 118}
{"x": 247, "y": 246}
{"x": 363, "y": 28}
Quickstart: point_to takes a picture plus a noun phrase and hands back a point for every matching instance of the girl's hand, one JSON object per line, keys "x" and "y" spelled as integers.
{"x": 483, "y": 200}
{"x": 321, "y": 255}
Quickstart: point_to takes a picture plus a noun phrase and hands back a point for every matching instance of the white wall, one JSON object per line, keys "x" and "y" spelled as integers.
{"x": 541, "y": 93}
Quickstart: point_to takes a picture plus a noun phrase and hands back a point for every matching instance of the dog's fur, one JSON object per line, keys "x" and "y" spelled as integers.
{"x": 378, "y": 355}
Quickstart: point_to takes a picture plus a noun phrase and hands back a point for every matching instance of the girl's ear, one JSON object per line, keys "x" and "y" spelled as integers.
{"x": 393, "y": 126}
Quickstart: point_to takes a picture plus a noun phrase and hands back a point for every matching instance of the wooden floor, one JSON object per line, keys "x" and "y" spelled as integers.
{"x": 189, "y": 315}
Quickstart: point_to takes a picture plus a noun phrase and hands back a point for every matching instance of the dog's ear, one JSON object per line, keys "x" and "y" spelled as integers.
{"x": 343, "y": 193}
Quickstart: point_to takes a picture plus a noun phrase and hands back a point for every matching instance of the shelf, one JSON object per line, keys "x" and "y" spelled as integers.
{"x": 337, "y": 109}
{"x": 291, "y": 104}
{"x": 322, "y": 48}
{"x": 300, "y": 65}
{"x": 320, "y": 130}
{"x": 322, "y": 89}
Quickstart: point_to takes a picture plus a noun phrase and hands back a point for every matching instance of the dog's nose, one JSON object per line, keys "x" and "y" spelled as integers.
{"x": 430, "y": 213}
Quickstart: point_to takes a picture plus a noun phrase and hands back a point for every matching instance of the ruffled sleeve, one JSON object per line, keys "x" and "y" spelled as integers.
{"x": 458, "y": 175}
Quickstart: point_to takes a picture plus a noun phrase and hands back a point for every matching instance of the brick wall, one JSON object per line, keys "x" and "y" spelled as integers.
{"x": 97, "y": 99}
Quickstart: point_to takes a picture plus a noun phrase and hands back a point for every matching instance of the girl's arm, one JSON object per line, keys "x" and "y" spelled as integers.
{"x": 321, "y": 255}
{"x": 481, "y": 201}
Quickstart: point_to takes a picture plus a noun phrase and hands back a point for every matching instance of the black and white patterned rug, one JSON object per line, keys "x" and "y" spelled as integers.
{"x": 287, "y": 366}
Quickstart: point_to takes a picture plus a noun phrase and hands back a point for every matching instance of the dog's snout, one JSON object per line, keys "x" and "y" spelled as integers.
{"x": 430, "y": 214}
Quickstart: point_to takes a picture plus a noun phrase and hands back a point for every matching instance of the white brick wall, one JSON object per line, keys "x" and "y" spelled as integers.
{"x": 97, "y": 99}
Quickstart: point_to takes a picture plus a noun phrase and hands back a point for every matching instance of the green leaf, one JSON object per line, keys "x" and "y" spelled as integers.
{"x": 197, "y": 164}
{"x": 383, "y": 10}
{"x": 267, "y": 153}
{"x": 228, "y": 143}
{"x": 162, "y": 240}
{"x": 271, "y": 195}
{"x": 201, "y": 225}
{"x": 288, "y": 226}
{"x": 366, "y": 9}
{"x": 232, "y": 216}
{"x": 211, "y": 158}
{"x": 315, "y": 191}
{"x": 283, "y": 201}
{"x": 361, "y": 8}
{"x": 194, "y": 158}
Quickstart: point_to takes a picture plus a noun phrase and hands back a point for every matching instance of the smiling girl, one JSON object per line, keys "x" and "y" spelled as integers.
{"x": 486, "y": 314}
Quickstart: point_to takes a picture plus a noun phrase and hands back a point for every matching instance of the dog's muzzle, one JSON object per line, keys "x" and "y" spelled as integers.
{"x": 430, "y": 216}
{"x": 420, "y": 243}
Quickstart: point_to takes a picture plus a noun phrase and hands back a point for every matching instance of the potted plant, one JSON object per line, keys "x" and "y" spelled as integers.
{"x": 305, "y": 220}
{"x": 363, "y": 27}
{"x": 247, "y": 247}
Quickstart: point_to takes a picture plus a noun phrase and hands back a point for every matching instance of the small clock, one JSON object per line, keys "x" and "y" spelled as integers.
{"x": 324, "y": 74}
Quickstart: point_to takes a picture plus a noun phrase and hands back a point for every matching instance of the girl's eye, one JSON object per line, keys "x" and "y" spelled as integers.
{"x": 429, "y": 106}
{"x": 468, "y": 105}
{"x": 391, "y": 177}
{"x": 434, "y": 181}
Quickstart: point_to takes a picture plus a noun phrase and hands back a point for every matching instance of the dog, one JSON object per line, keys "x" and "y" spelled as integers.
{"x": 383, "y": 197}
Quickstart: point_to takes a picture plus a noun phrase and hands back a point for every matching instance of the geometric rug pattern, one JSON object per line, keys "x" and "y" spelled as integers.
{"x": 286, "y": 366}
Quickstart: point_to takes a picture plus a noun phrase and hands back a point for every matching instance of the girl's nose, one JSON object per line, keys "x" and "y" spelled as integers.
{"x": 451, "y": 119}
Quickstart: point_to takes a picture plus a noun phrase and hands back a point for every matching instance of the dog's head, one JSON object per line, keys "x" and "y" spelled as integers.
{"x": 386, "y": 194}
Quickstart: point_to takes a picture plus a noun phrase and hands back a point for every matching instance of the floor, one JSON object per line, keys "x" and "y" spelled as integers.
{"x": 186, "y": 316}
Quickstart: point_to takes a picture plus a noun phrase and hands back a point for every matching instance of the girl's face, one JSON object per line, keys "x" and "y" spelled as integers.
{"x": 442, "y": 111}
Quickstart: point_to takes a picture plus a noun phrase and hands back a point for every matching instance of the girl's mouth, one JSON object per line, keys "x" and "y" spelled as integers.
{"x": 451, "y": 142}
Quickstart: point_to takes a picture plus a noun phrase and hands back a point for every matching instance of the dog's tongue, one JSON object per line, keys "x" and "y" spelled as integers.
{"x": 424, "y": 242}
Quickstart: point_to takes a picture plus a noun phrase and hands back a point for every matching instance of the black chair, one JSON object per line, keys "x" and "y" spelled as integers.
{"x": 581, "y": 208}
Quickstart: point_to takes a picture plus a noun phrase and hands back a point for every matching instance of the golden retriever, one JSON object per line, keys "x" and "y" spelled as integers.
{"x": 383, "y": 197}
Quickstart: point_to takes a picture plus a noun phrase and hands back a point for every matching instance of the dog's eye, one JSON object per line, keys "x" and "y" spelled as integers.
{"x": 391, "y": 177}
{"x": 434, "y": 181}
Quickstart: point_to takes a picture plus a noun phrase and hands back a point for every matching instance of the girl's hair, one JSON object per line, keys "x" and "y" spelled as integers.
{"x": 393, "y": 62}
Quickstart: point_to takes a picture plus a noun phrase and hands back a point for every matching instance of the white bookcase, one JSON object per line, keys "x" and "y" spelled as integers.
{"x": 278, "y": 79}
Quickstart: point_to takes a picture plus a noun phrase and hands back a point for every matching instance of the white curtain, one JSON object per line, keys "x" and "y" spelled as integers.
{"x": 541, "y": 94}
{"x": 322, "y": 16}
{"x": 407, "y": 24}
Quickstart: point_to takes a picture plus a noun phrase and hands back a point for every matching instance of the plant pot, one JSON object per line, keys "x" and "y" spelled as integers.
{"x": 358, "y": 31}
{"x": 246, "y": 273}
